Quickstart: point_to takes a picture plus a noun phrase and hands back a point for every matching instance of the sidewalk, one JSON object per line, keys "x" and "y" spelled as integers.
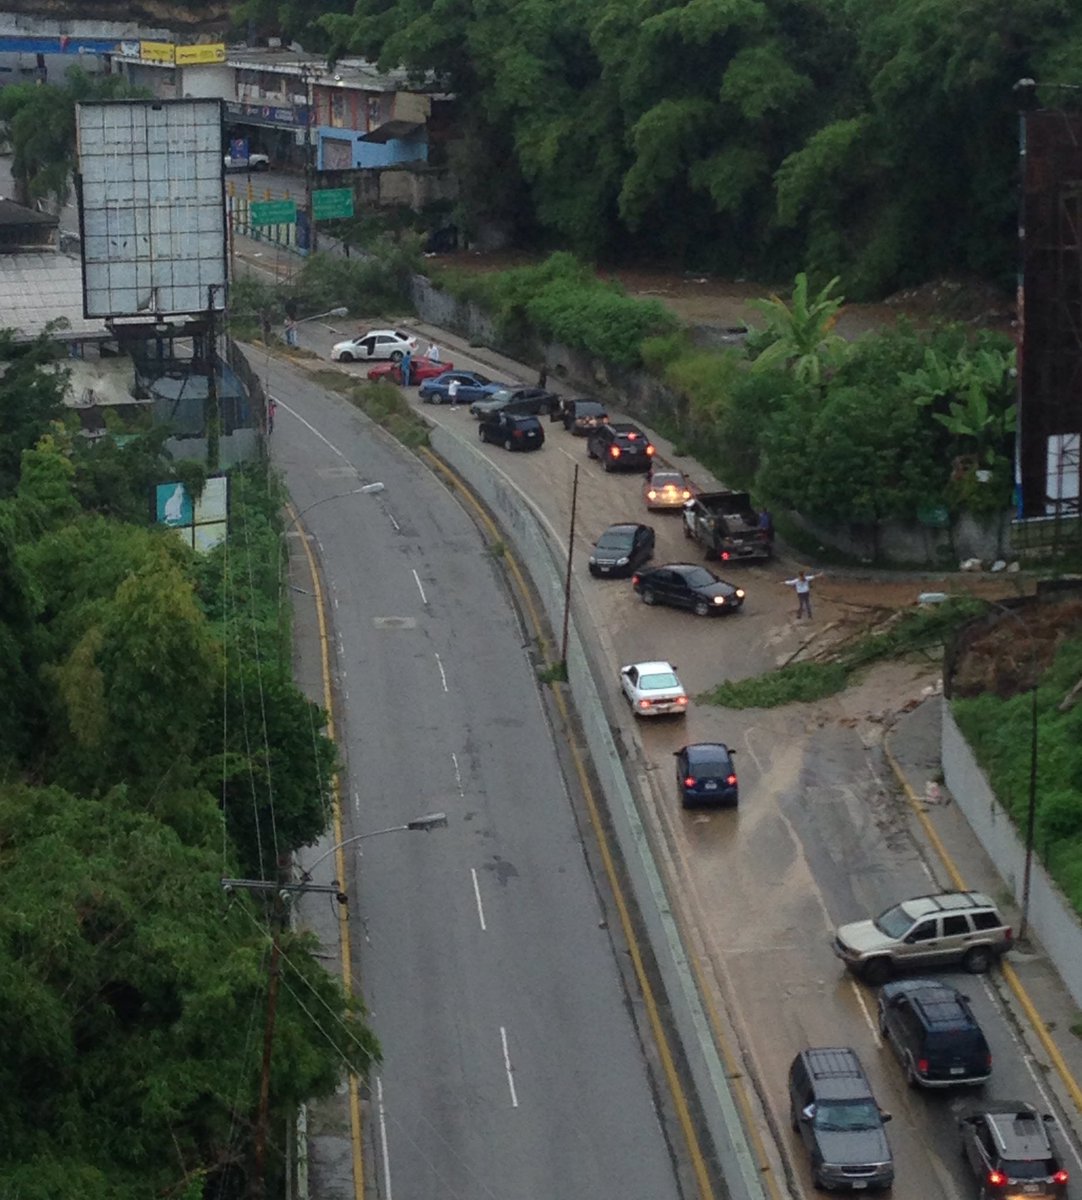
{"x": 1042, "y": 1008}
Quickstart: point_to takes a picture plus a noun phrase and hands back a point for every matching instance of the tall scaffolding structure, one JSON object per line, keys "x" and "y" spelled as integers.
{"x": 1050, "y": 331}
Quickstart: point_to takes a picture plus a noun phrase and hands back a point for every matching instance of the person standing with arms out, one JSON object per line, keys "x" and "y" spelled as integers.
{"x": 802, "y": 584}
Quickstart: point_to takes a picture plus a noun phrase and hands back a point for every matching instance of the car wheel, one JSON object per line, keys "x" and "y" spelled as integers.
{"x": 648, "y": 596}
{"x": 396, "y": 356}
{"x": 702, "y": 609}
{"x": 977, "y": 960}
{"x": 345, "y": 356}
{"x": 876, "y": 971}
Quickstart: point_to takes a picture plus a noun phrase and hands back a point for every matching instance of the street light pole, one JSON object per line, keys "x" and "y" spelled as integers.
{"x": 1031, "y": 805}
{"x": 257, "y": 1183}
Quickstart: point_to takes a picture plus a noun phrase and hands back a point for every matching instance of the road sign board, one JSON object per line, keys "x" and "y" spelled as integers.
{"x": 274, "y": 212}
{"x": 332, "y": 203}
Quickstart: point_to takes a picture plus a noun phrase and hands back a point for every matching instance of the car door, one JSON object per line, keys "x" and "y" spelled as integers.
{"x": 681, "y": 768}
{"x": 629, "y": 681}
{"x": 366, "y": 347}
{"x": 469, "y": 389}
{"x": 800, "y": 1096}
{"x": 956, "y": 935}
{"x": 979, "y": 1149}
{"x": 921, "y": 944}
{"x": 893, "y": 1023}
{"x": 642, "y": 546}
{"x": 680, "y": 594}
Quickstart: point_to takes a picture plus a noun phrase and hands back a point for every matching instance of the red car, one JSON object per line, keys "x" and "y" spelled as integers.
{"x": 420, "y": 370}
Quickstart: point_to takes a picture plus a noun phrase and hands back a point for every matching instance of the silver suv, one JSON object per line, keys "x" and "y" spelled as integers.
{"x": 928, "y": 931}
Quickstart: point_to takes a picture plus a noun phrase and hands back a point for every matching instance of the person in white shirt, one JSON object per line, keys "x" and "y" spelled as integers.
{"x": 433, "y": 352}
{"x": 802, "y": 584}
{"x": 452, "y": 392}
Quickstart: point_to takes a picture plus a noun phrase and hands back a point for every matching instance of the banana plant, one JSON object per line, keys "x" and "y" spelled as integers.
{"x": 975, "y": 418}
{"x": 799, "y": 335}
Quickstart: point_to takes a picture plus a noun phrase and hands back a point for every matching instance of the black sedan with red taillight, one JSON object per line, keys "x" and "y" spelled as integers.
{"x": 705, "y": 774}
{"x": 622, "y": 447}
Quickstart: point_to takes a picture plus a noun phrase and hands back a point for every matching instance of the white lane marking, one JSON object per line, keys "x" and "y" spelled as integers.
{"x": 383, "y": 1139}
{"x": 481, "y": 918}
{"x": 357, "y": 803}
{"x": 311, "y": 429}
{"x": 424, "y": 598}
{"x": 867, "y": 1015}
{"x": 567, "y": 454}
{"x": 458, "y": 773}
{"x": 443, "y": 677}
{"x": 751, "y": 751}
{"x": 394, "y": 524}
{"x": 508, "y": 1068}
{"x": 1022, "y": 1052}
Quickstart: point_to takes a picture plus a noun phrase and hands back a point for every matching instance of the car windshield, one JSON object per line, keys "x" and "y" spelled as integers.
{"x": 652, "y": 683}
{"x": 847, "y": 1116}
{"x": 500, "y": 394}
{"x": 700, "y": 577}
{"x": 895, "y": 922}
{"x": 614, "y": 540}
{"x": 1035, "y": 1168}
{"x": 588, "y": 408}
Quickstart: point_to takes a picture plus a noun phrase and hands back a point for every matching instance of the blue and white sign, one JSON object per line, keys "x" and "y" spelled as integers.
{"x": 174, "y": 504}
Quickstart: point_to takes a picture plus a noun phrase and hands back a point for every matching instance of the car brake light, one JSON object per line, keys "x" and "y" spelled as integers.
{"x": 681, "y": 699}
{"x": 724, "y": 556}
{"x": 989, "y": 1063}
{"x": 636, "y": 580}
{"x": 689, "y": 781}
{"x": 651, "y": 494}
{"x": 644, "y": 704}
{"x": 731, "y": 780}
{"x": 516, "y": 433}
{"x": 614, "y": 451}
{"x": 922, "y": 1066}
{"x": 649, "y": 450}
{"x": 1007, "y": 934}
{"x": 996, "y": 1179}
{"x": 1060, "y": 1177}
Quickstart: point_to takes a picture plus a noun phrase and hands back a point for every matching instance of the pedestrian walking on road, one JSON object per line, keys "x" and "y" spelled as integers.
{"x": 407, "y": 363}
{"x": 452, "y": 392}
{"x": 802, "y": 584}
{"x": 291, "y": 332}
{"x": 542, "y": 376}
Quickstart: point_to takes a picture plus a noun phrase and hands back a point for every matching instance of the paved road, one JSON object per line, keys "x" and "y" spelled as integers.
{"x": 512, "y": 1066}
{"x": 818, "y": 839}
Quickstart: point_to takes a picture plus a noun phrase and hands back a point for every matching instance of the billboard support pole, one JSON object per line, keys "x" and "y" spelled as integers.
{"x": 213, "y": 412}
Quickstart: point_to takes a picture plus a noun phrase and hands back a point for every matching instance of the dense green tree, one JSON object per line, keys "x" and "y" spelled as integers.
{"x": 32, "y": 387}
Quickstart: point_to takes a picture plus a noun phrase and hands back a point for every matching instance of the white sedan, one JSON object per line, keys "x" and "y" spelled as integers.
{"x": 376, "y": 343}
{"x": 253, "y": 162}
{"x": 653, "y": 689}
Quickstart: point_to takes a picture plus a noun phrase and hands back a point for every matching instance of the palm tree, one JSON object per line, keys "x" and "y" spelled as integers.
{"x": 799, "y": 335}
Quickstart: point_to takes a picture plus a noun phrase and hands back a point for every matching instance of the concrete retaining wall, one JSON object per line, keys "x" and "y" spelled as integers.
{"x": 1051, "y": 917}
{"x": 538, "y": 548}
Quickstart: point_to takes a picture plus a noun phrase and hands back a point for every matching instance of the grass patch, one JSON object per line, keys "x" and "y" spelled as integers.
{"x": 915, "y": 630}
{"x": 553, "y": 673}
{"x": 385, "y": 404}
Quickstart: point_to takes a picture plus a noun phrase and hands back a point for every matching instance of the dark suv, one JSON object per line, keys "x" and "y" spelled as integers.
{"x": 511, "y": 431}
{"x": 580, "y": 416}
{"x": 832, "y": 1107}
{"x": 705, "y": 774}
{"x": 1008, "y": 1145}
{"x": 932, "y": 1029}
{"x": 621, "y": 447}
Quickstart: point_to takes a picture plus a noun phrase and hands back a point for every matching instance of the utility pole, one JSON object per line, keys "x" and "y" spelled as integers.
{"x": 213, "y": 412}
{"x": 309, "y": 163}
{"x": 570, "y": 557}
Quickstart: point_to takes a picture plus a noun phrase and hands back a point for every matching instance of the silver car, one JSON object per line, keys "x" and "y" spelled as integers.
{"x": 927, "y": 931}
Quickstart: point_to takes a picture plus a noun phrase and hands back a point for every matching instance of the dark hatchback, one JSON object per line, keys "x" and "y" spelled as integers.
{"x": 581, "y": 417}
{"x": 705, "y": 774}
{"x": 931, "y": 1028}
{"x": 688, "y": 585}
{"x": 622, "y": 549}
{"x": 511, "y": 431}
{"x": 1009, "y": 1146}
{"x": 621, "y": 447}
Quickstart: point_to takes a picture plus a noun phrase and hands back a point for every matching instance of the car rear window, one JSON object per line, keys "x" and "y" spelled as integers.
{"x": 966, "y": 1042}
{"x": 987, "y": 920}
{"x": 666, "y": 679}
{"x": 710, "y": 768}
{"x": 588, "y": 408}
{"x": 1037, "y": 1168}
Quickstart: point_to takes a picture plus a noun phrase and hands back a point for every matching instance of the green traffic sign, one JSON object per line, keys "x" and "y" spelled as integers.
{"x": 330, "y": 204}
{"x": 274, "y": 212}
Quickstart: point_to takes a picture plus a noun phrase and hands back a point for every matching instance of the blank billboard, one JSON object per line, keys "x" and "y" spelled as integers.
{"x": 151, "y": 206}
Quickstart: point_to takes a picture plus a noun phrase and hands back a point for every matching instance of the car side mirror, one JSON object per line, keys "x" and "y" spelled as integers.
{"x": 885, "y": 1116}
{"x": 1048, "y": 1118}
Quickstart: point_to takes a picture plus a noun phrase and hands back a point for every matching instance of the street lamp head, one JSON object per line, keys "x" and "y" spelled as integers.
{"x": 436, "y": 820}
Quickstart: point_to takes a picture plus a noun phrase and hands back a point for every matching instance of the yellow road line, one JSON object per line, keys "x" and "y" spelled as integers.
{"x": 1009, "y": 973}
{"x": 698, "y": 1162}
{"x": 345, "y": 950}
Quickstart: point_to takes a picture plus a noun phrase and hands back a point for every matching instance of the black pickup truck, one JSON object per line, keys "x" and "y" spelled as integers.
{"x": 726, "y": 526}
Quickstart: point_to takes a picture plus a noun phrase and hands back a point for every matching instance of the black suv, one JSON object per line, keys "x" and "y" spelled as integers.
{"x": 832, "y": 1107}
{"x": 580, "y": 416}
{"x": 705, "y": 774}
{"x": 525, "y": 400}
{"x": 687, "y": 585}
{"x": 511, "y": 431}
{"x": 932, "y": 1029}
{"x": 1010, "y": 1150}
{"x": 622, "y": 548}
{"x": 621, "y": 446}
